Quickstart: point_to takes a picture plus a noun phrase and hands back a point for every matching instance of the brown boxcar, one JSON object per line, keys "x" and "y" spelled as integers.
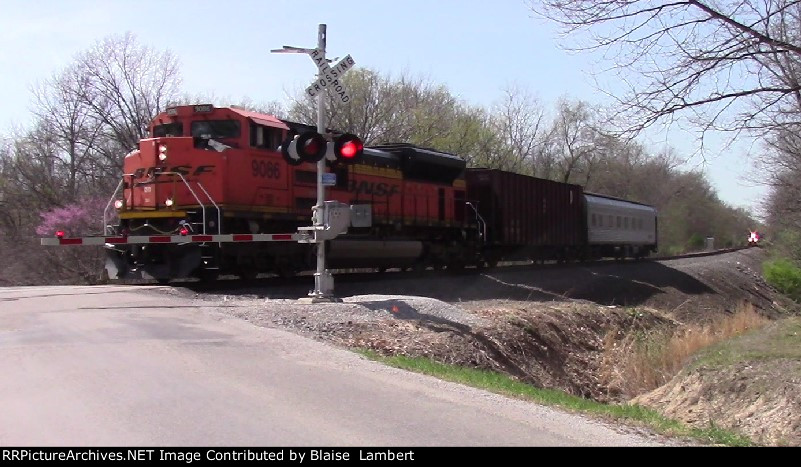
{"x": 528, "y": 217}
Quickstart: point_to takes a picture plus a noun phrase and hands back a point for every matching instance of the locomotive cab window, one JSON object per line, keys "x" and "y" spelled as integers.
{"x": 264, "y": 137}
{"x": 215, "y": 129}
{"x": 168, "y": 129}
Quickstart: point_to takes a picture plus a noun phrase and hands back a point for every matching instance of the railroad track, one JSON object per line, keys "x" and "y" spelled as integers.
{"x": 304, "y": 280}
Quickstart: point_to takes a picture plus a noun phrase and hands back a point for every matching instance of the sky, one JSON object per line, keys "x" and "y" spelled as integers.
{"x": 476, "y": 48}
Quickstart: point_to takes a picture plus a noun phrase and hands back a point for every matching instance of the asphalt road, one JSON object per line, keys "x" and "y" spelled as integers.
{"x": 117, "y": 365}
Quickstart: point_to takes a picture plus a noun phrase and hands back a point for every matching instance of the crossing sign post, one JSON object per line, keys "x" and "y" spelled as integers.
{"x": 328, "y": 80}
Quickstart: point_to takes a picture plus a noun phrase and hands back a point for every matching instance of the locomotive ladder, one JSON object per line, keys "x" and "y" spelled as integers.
{"x": 208, "y": 255}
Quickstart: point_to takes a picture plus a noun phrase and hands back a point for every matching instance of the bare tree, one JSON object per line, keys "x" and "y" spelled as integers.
{"x": 726, "y": 64}
{"x": 125, "y": 84}
{"x": 374, "y": 111}
{"x": 384, "y": 109}
{"x": 88, "y": 116}
{"x": 574, "y": 135}
{"x": 781, "y": 165}
{"x": 68, "y": 122}
{"x": 519, "y": 121}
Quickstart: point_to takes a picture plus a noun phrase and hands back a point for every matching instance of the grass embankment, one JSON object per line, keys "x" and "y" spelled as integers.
{"x": 784, "y": 275}
{"x": 641, "y": 361}
{"x": 779, "y": 340}
{"x": 502, "y": 384}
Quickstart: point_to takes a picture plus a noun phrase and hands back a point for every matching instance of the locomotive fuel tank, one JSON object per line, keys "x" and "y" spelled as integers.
{"x": 358, "y": 253}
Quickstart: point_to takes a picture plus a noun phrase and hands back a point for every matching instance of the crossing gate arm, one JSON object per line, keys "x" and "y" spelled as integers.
{"x": 161, "y": 239}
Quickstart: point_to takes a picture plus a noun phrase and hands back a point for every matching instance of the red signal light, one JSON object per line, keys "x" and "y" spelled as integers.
{"x": 59, "y": 234}
{"x": 184, "y": 231}
{"x": 348, "y": 148}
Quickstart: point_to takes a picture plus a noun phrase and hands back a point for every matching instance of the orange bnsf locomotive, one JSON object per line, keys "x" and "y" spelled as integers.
{"x": 209, "y": 172}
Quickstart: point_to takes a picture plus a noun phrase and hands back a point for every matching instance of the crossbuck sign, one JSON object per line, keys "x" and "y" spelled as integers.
{"x": 329, "y": 76}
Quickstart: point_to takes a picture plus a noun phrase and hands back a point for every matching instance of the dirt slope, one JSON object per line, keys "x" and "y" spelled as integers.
{"x": 750, "y": 383}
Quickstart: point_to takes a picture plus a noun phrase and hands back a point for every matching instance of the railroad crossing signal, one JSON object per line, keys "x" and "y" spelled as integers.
{"x": 312, "y": 147}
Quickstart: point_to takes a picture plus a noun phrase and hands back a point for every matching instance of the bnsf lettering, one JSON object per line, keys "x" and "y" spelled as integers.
{"x": 181, "y": 169}
{"x": 265, "y": 169}
{"x": 372, "y": 188}
{"x": 203, "y": 168}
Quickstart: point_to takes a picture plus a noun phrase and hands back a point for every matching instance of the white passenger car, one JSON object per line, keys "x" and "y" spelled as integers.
{"x": 619, "y": 228}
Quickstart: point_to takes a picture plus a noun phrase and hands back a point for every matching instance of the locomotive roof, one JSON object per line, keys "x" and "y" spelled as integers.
{"x": 198, "y": 110}
{"x": 402, "y": 147}
{"x": 260, "y": 118}
{"x": 380, "y": 158}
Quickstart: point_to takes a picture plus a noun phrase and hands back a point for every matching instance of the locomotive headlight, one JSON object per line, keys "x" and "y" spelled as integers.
{"x": 163, "y": 152}
{"x": 118, "y": 204}
{"x": 169, "y": 202}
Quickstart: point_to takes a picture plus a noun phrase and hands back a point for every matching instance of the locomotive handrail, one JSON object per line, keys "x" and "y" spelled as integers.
{"x": 219, "y": 221}
{"x": 482, "y": 224}
{"x": 188, "y": 187}
{"x": 202, "y": 206}
{"x": 108, "y": 205}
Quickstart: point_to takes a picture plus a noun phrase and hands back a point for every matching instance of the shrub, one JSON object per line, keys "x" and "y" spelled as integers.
{"x": 82, "y": 217}
{"x": 785, "y": 276}
{"x": 78, "y": 264}
{"x": 696, "y": 242}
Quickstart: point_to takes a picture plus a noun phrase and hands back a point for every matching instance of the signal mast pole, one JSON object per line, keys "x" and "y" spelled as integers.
{"x": 323, "y": 280}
